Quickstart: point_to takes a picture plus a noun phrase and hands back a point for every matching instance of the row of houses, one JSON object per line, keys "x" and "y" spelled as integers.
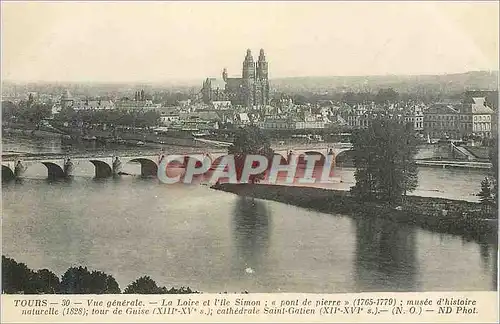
{"x": 173, "y": 118}
{"x": 473, "y": 117}
{"x": 454, "y": 119}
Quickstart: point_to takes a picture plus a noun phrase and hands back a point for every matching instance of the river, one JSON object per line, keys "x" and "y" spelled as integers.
{"x": 211, "y": 241}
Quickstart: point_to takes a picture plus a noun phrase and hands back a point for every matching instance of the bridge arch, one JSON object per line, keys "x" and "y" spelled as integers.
{"x": 55, "y": 171}
{"x": 344, "y": 156}
{"x": 102, "y": 169}
{"x": 149, "y": 168}
{"x": 7, "y": 173}
{"x": 302, "y": 156}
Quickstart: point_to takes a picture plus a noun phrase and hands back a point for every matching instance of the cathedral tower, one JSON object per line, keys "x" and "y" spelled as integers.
{"x": 261, "y": 92}
{"x": 262, "y": 69}
{"x": 248, "y": 66}
{"x": 248, "y": 76}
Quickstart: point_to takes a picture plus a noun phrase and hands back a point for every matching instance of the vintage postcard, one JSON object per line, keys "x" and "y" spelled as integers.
{"x": 249, "y": 161}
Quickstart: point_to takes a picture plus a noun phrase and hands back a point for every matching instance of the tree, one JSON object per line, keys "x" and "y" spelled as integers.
{"x": 384, "y": 161}
{"x": 148, "y": 118}
{"x": 68, "y": 115}
{"x": 143, "y": 285}
{"x": 44, "y": 282}
{"x": 349, "y": 98}
{"x": 352, "y": 98}
{"x": 34, "y": 112}
{"x": 8, "y": 110}
{"x": 485, "y": 195}
{"x": 493, "y": 154}
{"x": 101, "y": 283}
{"x": 250, "y": 140}
{"x": 15, "y": 276}
{"x": 78, "y": 280}
{"x": 182, "y": 290}
{"x": 300, "y": 99}
{"x": 385, "y": 96}
{"x": 494, "y": 172}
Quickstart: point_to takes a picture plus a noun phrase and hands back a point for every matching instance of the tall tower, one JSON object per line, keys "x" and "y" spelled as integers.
{"x": 262, "y": 83}
{"x": 248, "y": 66}
{"x": 248, "y": 76}
{"x": 224, "y": 75}
{"x": 262, "y": 69}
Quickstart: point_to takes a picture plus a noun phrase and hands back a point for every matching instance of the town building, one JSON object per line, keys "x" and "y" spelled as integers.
{"x": 414, "y": 115}
{"x": 442, "y": 121}
{"x": 93, "y": 104}
{"x": 127, "y": 104}
{"x": 221, "y": 105}
{"x": 274, "y": 123}
{"x": 491, "y": 97}
{"x": 67, "y": 101}
{"x": 476, "y": 118}
{"x": 168, "y": 115}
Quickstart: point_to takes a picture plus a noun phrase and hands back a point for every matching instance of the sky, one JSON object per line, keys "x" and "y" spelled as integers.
{"x": 167, "y": 41}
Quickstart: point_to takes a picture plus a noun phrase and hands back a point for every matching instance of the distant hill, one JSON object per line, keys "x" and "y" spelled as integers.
{"x": 448, "y": 83}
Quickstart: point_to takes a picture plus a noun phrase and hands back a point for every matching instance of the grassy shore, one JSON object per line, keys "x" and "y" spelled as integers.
{"x": 439, "y": 215}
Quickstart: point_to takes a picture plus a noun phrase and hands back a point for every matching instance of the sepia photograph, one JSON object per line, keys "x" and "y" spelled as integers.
{"x": 187, "y": 148}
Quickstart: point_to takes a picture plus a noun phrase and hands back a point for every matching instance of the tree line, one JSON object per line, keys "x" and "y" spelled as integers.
{"x": 18, "y": 278}
{"x": 33, "y": 113}
{"x": 25, "y": 111}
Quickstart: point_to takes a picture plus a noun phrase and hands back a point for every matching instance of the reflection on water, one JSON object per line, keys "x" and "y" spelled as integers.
{"x": 489, "y": 260}
{"x": 385, "y": 254}
{"x": 31, "y": 145}
{"x": 213, "y": 241}
{"x": 250, "y": 234}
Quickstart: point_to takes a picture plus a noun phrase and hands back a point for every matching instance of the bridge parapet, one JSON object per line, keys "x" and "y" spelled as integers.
{"x": 105, "y": 166}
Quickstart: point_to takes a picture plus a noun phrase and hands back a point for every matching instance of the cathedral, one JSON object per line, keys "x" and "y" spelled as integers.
{"x": 251, "y": 90}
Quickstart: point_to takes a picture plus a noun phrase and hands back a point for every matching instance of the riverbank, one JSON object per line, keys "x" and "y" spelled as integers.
{"x": 43, "y": 132}
{"x": 439, "y": 215}
{"x": 74, "y": 136}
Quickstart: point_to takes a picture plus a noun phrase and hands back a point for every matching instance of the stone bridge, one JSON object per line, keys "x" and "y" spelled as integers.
{"x": 105, "y": 166}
